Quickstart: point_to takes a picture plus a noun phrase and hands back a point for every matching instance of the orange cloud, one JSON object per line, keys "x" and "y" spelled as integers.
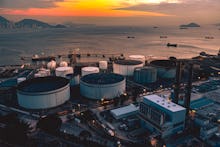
{"x": 98, "y": 8}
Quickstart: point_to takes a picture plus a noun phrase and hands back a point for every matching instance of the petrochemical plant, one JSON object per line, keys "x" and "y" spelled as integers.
{"x": 124, "y": 101}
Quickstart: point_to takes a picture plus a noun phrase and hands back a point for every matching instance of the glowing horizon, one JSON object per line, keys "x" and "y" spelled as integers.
{"x": 107, "y": 8}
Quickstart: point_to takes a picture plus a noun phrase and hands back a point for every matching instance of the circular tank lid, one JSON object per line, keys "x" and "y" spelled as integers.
{"x": 145, "y": 68}
{"x": 128, "y": 62}
{"x": 90, "y": 68}
{"x": 163, "y": 63}
{"x": 102, "y": 78}
{"x": 64, "y": 68}
{"x": 42, "y": 84}
{"x": 137, "y": 56}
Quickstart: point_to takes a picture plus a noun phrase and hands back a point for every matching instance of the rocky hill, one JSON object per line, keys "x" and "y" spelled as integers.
{"x": 189, "y": 25}
{"x": 4, "y": 23}
{"x": 26, "y": 23}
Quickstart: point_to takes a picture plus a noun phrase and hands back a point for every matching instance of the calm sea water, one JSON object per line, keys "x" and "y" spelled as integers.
{"x": 94, "y": 39}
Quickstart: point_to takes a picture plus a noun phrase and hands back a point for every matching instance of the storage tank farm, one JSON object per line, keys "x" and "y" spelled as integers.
{"x": 145, "y": 75}
{"x": 126, "y": 67}
{"x": 97, "y": 86}
{"x": 43, "y": 92}
{"x": 166, "y": 69}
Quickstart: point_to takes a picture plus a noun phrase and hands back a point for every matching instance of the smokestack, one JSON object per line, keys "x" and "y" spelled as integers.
{"x": 188, "y": 89}
{"x": 177, "y": 83}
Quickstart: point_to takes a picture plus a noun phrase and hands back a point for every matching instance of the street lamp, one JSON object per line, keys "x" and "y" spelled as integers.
{"x": 79, "y": 106}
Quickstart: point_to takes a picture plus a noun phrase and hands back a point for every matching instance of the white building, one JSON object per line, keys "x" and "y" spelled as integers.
{"x": 162, "y": 116}
{"x": 124, "y": 111}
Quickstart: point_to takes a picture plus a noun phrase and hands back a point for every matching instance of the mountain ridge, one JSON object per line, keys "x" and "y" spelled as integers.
{"x": 27, "y": 23}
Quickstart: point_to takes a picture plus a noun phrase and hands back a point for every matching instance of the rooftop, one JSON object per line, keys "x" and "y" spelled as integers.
{"x": 128, "y": 62}
{"x": 124, "y": 110}
{"x": 42, "y": 84}
{"x": 102, "y": 78}
{"x": 163, "y": 63}
{"x": 162, "y": 102}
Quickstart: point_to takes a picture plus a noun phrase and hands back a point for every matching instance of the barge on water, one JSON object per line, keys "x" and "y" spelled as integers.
{"x": 43, "y": 58}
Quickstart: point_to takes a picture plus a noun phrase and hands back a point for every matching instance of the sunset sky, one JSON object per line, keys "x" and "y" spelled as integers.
{"x": 120, "y": 11}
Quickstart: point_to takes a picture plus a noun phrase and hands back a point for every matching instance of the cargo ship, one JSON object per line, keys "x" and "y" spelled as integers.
{"x": 43, "y": 58}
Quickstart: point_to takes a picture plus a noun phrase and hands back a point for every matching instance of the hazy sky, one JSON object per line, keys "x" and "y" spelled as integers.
{"x": 139, "y": 12}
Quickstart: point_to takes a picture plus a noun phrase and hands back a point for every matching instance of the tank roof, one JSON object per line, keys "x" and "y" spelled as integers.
{"x": 102, "y": 78}
{"x": 128, "y": 62}
{"x": 64, "y": 68}
{"x": 42, "y": 84}
{"x": 145, "y": 68}
{"x": 90, "y": 68}
{"x": 137, "y": 56}
{"x": 163, "y": 63}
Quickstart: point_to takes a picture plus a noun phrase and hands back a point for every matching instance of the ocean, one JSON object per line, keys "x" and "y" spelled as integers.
{"x": 108, "y": 39}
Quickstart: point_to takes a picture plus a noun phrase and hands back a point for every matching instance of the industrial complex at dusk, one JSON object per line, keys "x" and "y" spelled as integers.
{"x": 118, "y": 101}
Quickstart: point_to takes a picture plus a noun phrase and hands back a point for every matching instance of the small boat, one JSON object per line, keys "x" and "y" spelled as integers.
{"x": 163, "y": 37}
{"x": 171, "y": 45}
{"x": 209, "y": 37}
{"x": 43, "y": 58}
{"x": 131, "y": 37}
{"x": 155, "y": 27}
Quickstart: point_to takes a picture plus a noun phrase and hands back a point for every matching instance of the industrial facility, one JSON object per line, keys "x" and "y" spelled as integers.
{"x": 126, "y": 67}
{"x": 166, "y": 69}
{"x": 145, "y": 75}
{"x": 43, "y": 92}
{"x": 161, "y": 115}
{"x": 102, "y": 85}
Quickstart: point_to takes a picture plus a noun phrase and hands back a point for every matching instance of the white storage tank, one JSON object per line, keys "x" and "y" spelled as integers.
{"x": 102, "y": 85}
{"x": 126, "y": 67}
{"x": 89, "y": 70}
{"x": 145, "y": 75}
{"x": 43, "y": 93}
{"x": 74, "y": 79}
{"x": 52, "y": 65}
{"x": 63, "y": 64}
{"x": 63, "y": 71}
{"x": 138, "y": 57}
{"x": 103, "y": 65}
{"x": 166, "y": 69}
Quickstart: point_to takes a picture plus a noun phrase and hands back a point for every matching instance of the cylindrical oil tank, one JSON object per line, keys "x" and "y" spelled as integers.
{"x": 73, "y": 78}
{"x": 166, "y": 69}
{"x": 89, "y": 70}
{"x": 63, "y": 71}
{"x": 138, "y": 57}
{"x": 43, "y": 92}
{"x": 126, "y": 67}
{"x": 103, "y": 65}
{"x": 63, "y": 64}
{"x": 51, "y": 65}
{"x": 145, "y": 75}
{"x": 102, "y": 85}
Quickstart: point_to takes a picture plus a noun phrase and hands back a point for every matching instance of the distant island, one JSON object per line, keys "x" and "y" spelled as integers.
{"x": 26, "y": 23}
{"x": 192, "y": 25}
